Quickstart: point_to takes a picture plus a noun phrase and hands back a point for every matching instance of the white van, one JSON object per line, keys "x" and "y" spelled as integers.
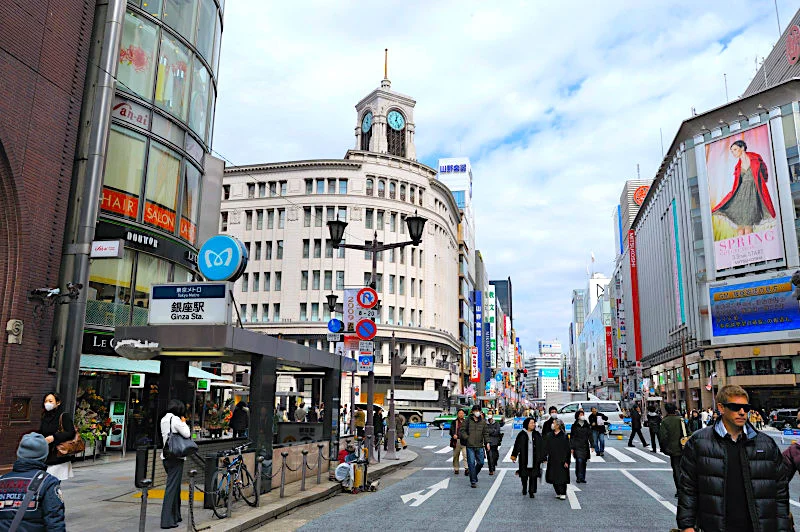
{"x": 610, "y": 408}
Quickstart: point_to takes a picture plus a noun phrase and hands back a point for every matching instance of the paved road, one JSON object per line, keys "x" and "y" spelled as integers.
{"x": 628, "y": 489}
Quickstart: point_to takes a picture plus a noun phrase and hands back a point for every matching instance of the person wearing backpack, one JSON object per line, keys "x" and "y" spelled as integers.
{"x": 174, "y": 422}
{"x": 44, "y": 510}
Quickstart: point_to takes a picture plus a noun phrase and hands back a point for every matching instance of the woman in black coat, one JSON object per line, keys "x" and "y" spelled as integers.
{"x": 239, "y": 420}
{"x": 57, "y": 427}
{"x": 580, "y": 438}
{"x": 528, "y": 448}
{"x": 556, "y": 448}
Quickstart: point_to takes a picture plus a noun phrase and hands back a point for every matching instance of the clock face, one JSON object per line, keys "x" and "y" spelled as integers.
{"x": 366, "y": 123}
{"x": 396, "y": 120}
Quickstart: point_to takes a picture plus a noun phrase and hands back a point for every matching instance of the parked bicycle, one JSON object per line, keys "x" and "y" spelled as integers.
{"x": 233, "y": 478}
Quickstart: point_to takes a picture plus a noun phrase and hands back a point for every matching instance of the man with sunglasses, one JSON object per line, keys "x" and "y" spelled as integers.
{"x": 731, "y": 477}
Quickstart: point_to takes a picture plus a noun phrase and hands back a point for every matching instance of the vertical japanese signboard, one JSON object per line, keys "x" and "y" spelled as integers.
{"x": 609, "y": 354}
{"x": 637, "y": 331}
{"x": 350, "y": 309}
{"x": 479, "y": 325}
{"x": 474, "y": 366}
{"x": 491, "y": 319}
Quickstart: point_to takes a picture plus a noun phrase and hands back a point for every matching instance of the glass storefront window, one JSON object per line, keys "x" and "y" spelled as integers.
{"x": 137, "y": 64}
{"x": 205, "y": 29}
{"x": 172, "y": 83}
{"x": 109, "y": 296}
{"x": 149, "y": 271}
{"x": 161, "y": 191}
{"x": 122, "y": 182}
{"x": 217, "y": 42}
{"x": 153, "y": 7}
{"x": 180, "y": 16}
{"x": 191, "y": 205}
{"x": 210, "y": 130}
{"x": 198, "y": 108}
{"x": 182, "y": 275}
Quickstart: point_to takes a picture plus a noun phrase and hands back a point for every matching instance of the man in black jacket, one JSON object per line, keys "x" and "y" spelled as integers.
{"x": 547, "y": 426}
{"x": 731, "y": 474}
{"x": 636, "y": 425}
{"x": 654, "y": 424}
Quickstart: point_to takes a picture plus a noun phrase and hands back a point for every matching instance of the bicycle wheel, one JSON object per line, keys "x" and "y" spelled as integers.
{"x": 220, "y": 487}
{"x": 247, "y": 488}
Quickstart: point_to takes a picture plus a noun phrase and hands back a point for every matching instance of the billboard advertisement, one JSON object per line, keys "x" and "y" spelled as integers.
{"x": 479, "y": 325}
{"x": 743, "y": 199}
{"x": 637, "y": 331}
{"x": 609, "y": 354}
{"x": 763, "y": 307}
{"x": 549, "y": 372}
{"x": 474, "y": 366}
{"x": 491, "y": 319}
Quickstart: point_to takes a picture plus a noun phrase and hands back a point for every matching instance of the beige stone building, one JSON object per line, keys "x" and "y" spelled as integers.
{"x": 280, "y": 211}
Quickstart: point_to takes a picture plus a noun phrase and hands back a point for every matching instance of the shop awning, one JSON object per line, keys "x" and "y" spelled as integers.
{"x": 124, "y": 365}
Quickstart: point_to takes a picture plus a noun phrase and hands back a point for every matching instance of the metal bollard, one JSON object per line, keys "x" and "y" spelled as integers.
{"x": 319, "y": 463}
{"x": 190, "y": 521}
{"x": 284, "y": 454}
{"x": 143, "y": 510}
{"x": 259, "y": 473}
{"x": 303, "y": 475}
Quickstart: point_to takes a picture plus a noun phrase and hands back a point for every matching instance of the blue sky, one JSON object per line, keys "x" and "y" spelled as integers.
{"x": 555, "y": 103}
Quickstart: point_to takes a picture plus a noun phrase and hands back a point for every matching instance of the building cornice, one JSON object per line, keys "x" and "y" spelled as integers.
{"x": 294, "y": 165}
{"x": 388, "y": 95}
{"x": 387, "y": 160}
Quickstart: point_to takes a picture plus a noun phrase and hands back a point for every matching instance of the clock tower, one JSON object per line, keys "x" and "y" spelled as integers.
{"x": 385, "y": 122}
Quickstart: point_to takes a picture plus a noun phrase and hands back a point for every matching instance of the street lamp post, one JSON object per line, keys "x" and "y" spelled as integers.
{"x": 391, "y": 431}
{"x": 416, "y": 225}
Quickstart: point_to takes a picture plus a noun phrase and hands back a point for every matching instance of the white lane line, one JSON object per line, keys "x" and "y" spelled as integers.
{"x": 588, "y": 469}
{"x": 481, "y": 511}
{"x": 668, "y": 505}
{"x": 443, "y": 450}
{"x": 647, "y": 455}
{"x": 596, "y": 459}
{"x": 619, "y": 455}
{"x": 507, "y": 459}
{"x": 794, "y": 502}
{"x": 430, "y": 447}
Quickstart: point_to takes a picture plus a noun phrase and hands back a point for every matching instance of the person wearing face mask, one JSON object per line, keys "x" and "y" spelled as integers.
{"x": 547, "y": 427}
{"x": 528, "y": 448}
{"x": 580, "y": 438}
{"x": 597, "y": 420}
{"x": 556, "y": 448}
{"x": 494, "y": 438}
{"x": 56, "y": 427}
{"x": 474, "y": 435}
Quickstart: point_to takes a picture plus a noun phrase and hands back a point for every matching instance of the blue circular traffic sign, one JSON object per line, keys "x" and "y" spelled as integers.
{"x": 335, "y": 326}
{"x": 498, "y": 377}
{"x": 366, "y": 329}
{"x": 222, "y": 258}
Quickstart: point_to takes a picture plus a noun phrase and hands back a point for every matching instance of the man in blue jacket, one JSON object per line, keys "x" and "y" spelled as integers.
{"x": 45, "y": 512}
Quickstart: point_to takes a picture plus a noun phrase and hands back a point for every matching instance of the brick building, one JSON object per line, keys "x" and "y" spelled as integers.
{"x": 44, "y": 47}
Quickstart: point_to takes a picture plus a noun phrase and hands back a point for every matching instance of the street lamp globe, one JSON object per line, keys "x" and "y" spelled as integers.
{"x": 332, "y": 302}
{"x": 336, "y": 229}
{"x": 416, "y": 224}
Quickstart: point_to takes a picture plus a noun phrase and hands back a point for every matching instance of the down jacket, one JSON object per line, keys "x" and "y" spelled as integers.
{"x": 701, "y": 501}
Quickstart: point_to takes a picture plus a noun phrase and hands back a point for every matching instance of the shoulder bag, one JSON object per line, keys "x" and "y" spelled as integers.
{"x": 70, "y": 447}
{"x": 683, "y": 431}
{"x": 177, "y": 446}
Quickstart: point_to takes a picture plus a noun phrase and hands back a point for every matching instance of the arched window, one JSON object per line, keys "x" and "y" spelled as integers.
{"x": 366, "y": 136}
{"x": 381, "y": 188}
{"x": 370, "y": 185}
{"x": 396, "y": 133}
{"x": 402, "y": 192}
{"x": 392, "y": 190}
{"x": 412, "y": 194}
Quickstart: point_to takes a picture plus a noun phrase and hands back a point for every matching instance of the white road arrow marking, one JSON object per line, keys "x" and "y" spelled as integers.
{"x": 572, "y": 498}
{"x": 420, "y": 498}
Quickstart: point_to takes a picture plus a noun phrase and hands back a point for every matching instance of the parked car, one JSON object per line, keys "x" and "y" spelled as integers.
{"x": 784, "y": 418}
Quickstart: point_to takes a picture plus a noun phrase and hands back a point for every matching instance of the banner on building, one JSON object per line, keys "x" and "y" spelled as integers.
{"x": 350, "y": 309}
{"x": 474, "y": 367}
{"x": 677, "y": 267}
{"x": 491, "y": 318}
{"x": 637, "y": 330}
{"x": 479, "y": 325}
{"x": 609, "y": 354}
{"x": 743, "y": 199}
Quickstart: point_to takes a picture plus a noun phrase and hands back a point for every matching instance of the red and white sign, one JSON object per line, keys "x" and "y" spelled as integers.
{"x": 107, "y": 249}
{"x": 367, "y": 297}
{"x": 637, "y": 331}
{"x": 640, "y": 194}
{"x": 366, "y": 329}
{"x": 793, "y": 45}
{"x": 475, "y": 370}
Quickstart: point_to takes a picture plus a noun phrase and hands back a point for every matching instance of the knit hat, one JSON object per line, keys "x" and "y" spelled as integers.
{"x": 33, "y": 446}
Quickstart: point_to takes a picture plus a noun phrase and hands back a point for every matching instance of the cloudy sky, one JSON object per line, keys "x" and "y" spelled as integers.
{"x": 555, "y": 103}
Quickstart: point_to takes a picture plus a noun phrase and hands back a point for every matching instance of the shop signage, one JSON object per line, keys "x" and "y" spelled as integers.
{"x": 107, "y": 249}
{"x": 474, "y": 367}
{"x": 203, "y": 385}
{"x": 116, "y": 432}
{"x": 98, "y": 343}
{"x": 609, "y": 354}
{"x": 640, "y": 194}
{"x": 479, "y": 326}
{"x": 130, "y": 112}
{"x": 551, "y": 373}
{"x": 637, "y": 331}
{"x": 491, "y": 319}
{"x": 452, "y": 168}
{"x": 143, "y": 240}
{"x": 222, "y": 258}
{"x": 119, "y": 203}
{"x": 351, "y": 342}
{"x": 137, "y": 380}
{"x": 194, "y": 303}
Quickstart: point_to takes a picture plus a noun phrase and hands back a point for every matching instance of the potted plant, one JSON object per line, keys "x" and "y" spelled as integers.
{"x": 214, "y": 422}
{"x": 92, "y": 427}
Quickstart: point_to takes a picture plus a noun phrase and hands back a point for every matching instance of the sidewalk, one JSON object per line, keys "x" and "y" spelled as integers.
{"x": 103, "y": 498}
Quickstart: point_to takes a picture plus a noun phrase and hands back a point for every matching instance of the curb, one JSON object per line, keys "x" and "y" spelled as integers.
{"x": 273, "y": 511}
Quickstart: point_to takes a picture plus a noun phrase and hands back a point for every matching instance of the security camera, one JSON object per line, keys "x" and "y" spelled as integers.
{"x": 45, "y": 292}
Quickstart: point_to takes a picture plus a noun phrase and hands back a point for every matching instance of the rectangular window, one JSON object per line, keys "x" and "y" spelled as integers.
{"x": 413, "y": 287}
{"x": 402, "y": 224}
{"x": 326, "y": 314}
{"x": 278, "y": 279}
{"x": 303, "y": 311}
{"x": 331, "y": 186}
{"x": 276, "y": 312}
{"x": 247, "y": 248}
{"x": 314, "y": 311}
{"x": 254, "y": 313}
{"x": 281, "y": 218}
{"x": 304, "y": 280}
{"x": 367, "y": 278}
{"x": 420, "y": 295}
{"x": 224, "y": 224}
{"x": 273, "y": 189}
{"x": 137, "y": 64}
{"x": 339, "y": 280}
{"x": 390, "y": 316}
{"x": 391, "y": 284}
{"x": 318, "y": 217}
{"x": 172, "y": 83}
{"x": 161, "y": 190}
{"x": 402, "y": 286}
{"x": 400, "y": 315}
{"x": 306, "y": 216}
{"x": 315, "y": 280}
{"x": 243, "y": 312}
{"x": 257, "y": 253}
{"x": 122, "y": 183}
{"x": 251, "y": 190}
{"x": 262, "y": 190}
{"x": 330, "y": 212}
{"x": 391, "y": 255}
{"x": 367, "y": 255}
{"x": 267, "y": 281}
{"x": 379, "y": 223}
{"x": 248, "y": 220}
{"x": 380, "y": 256}
{"x": 393, "y": 222}
{"x": 413, "y": 252}
{"x": 329, "y": 249}
{"x": 260, "y": 219}
{"x": 343, "y": 186}
{"x": 226, "y": 192}
{"x": 420, "y": 259}
{"x": 280, "y": 250}
{"x": 245, "y": 279}
{"x": 320, "y": 186}
{"x": 341, "y": 251}
{"x": 420, "y": 314}
{"x": 309, "y": 186}
{"x": 264, "y": 312}
{"x": 268, "y": 251}
{"x": 379, "y": 286}
{"x": 317, "y": 248}
{"x": 283, "y": 188}
{"x": 402, "y": 255}
{"x": 328, "y": 280}
{"x": 369, "y": 221}
{"x": 306, "y": 248}
{"x": 270, "y": 218}
{"x": 343, "y": 214}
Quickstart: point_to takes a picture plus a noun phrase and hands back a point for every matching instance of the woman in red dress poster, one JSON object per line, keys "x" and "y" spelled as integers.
{"x": 748, "y": 202}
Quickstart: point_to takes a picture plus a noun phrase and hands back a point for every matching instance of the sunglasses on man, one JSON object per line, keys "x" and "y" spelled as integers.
{"x": 735, "y": 407}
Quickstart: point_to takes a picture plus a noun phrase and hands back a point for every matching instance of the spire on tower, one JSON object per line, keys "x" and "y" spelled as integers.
{"x": 385, "y": 83}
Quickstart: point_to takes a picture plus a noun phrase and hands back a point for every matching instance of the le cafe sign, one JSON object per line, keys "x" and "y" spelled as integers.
{"x": 95, "y": 343}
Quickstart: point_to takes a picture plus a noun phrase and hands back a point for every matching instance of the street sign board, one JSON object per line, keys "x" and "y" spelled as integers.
{"x": 137, "y": 380}
{"x": 366, "y": 329}
{"x": 366, "y": 346}
{"x": 334, "y": 337}
{"x": 339, "y": 349}
{"x": 203, "y": 385}
{"x": 367, "y": 297}
{"x": 351, "y": 342}
{"x": 222, "y": 258}
{"x": 366, "y": 362}
{"x": 369, "y": 313}
{"x": 335, "y": 326}
{"x": 193, "y": 303}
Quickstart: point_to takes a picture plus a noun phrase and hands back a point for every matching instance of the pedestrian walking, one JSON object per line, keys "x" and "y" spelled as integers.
{"x": 580, "y": 440}
{"x": 597, "y": 421}
{"x": 495, "y": 438}
{"x": 670, "y": 433}
{"x": 474, "y": 435}
{"x": 57, "y": 427}
{"x": 695, "y": 423}
{"x": 300, "y": 413}
{"x": 399, "y": 423}
{"x": 173, "y": 422}
{"x": 654, "y": 424}
{"x": 732, "y": 476}
{"x": 705, "y": 415}
{"x": 556, "y": 448}
{"x": 636, "y": 426}
{"x": 239, "y": 420}
{"x": 361, "y": 422}
{"x": 378, "y": 424}
{"x": 45, "y": 511}
{"x": 455, "y": 443}
{"x": 547, "y": 426}
{"x": 528, "y": 449}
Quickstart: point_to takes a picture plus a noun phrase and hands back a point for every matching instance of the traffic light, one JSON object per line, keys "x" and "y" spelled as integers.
{"x": 399, "y": 364}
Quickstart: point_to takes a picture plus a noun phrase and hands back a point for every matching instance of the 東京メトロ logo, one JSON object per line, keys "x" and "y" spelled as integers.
{"x": 222, "y": 258}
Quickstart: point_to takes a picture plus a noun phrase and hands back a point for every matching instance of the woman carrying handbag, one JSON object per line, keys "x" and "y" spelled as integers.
{"x": 173, "y": 425}
{"x": 59, "y": 430}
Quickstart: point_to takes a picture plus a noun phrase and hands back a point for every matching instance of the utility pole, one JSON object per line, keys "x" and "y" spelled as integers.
{"x": 391, "y": 432}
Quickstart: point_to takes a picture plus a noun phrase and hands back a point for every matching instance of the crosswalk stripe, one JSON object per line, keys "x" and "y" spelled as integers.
{"x": 429, "y": 447}
{"x": 619, "y": 455}
{"x": 443, "y": 450}
{"x": 596, "y": 459}
{"x": 645, "y": 454}
{"x": 507, "y": 458}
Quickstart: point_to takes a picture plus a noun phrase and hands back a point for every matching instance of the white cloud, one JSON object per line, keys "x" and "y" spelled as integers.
{"x": 555, "y": 104}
